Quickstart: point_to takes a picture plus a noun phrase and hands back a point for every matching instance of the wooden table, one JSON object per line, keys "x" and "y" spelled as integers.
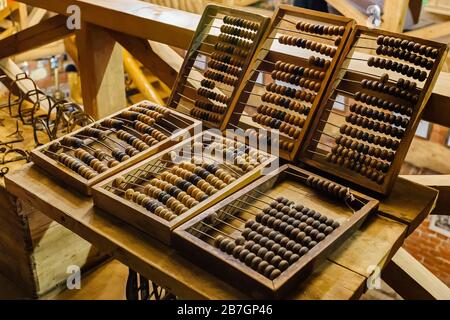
{"x": 342, "y": 276}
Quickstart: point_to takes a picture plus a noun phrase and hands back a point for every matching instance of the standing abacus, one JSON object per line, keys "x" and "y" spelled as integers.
{"x": 226, "y": 40}
{"x": 367, "y": 120}
{"x": 265, "y": 243}
{"x": 165, "y": 190}
{"x": 93, "y": 153}
{"x": 294, "y": 61}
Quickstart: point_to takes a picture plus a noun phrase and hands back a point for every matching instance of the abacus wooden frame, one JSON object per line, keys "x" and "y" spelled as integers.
{"x": 79, "y": 183}
{"x": 244, "y": 277}
{"x": 204, "y": 26}
{"x": 283, "y": 10}
{"x": 400, "y": 154}
{"x": 152, "y": 224}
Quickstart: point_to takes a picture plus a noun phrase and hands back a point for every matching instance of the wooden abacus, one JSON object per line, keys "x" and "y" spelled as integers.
{"x": 165, "y": 190}
{"x": 365, "y": 124}
{"x": 97, "y": 151}
{"x": 299, "y": 53}
{"x": 264, "y": 243}
{"x": 226, "y": 39}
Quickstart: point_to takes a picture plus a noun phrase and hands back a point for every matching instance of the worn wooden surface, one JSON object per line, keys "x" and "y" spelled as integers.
{"x": 342, "y": 276}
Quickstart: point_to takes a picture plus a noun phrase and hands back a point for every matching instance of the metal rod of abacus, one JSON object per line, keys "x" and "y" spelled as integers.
{"x": 230, "y": 225}
{"x": 366, "y": 74}
{"x": 315, "y": 152}
{"x": 330, "y": 123}
{"x": 220, "y": 89}
{"x": 263, "y": 60}
{"x": 220, "y": 231}
{"x": 357, "y": 59}
{"x": 249, "y": 204}
{"x": 171, "y": 123}
{"x": 297, "y": 175}
{"x": 366, "y": 37}
{"x": 115, "y": 130}
{"x": 203, "y": 233}
{"x": 272, "y": 38}
{"x": 247, "y": 105}
{"x": 340, "y": 102}
{"x": 254, "y": 94}
{"x": 109, "y": 188}
{"x": 344, "y": 92}
{"x": 106, "y": 137}
{"x": 336, "y": 113}
{"x": 327, "y": 134}
{"x": 364, "y": 47}
{"x": 220, "y": 163}
{"x": 239, "y": 208}
{"x": 231, "y": 215}
{"x": 182, "y": 95}
{"x": 324, "y": 144}
{"x": 244, "y": 115}
{"x": 347, "y": 80}
{"x": 305, "y": 33}
{"x": 263, "y": 194}
{"x": 261, "y": 71}
{"x": 257, "y": 199}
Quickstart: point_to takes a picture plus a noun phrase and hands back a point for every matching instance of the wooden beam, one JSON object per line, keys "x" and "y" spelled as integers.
{"x": 101, "y": 71}
{"x": 439, "y": 182}
{"x": 35, "y": 16}
{"x": 435, "y": 31}
{"x": 410, "y": 279}
{"x": 133, "y": 17}
{"x": 348, "y": 9}
{"x": 46, "y": 32}
{"x": 138, "y": 77}
{"x": 394, "y": 14}
{"x": 142, "y": 51}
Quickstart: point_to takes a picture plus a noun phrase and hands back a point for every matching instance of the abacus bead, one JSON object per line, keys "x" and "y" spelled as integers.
{"x": 274, "y": 274}
{"x": 320, "y": 236}
{"x": 303, "y": 251}
{"x": 328, "y": 230}
{"x": 294, "y": 258}
{"x": 268, "y": 270}
{"x": 262, "y": 266}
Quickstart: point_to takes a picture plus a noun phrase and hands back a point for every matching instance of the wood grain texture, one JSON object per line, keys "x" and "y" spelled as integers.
{"x": 163, "y": 265}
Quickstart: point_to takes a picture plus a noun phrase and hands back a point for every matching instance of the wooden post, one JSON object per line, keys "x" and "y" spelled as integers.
{"x": 394, "y": 15}
{"x": 101, "y": 71}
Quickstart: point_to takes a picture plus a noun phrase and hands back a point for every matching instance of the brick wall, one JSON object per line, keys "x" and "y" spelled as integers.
{"x": 432, "y": 249}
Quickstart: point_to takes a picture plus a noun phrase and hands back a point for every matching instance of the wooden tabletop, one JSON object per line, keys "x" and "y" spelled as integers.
{"x": 342, "y": 276}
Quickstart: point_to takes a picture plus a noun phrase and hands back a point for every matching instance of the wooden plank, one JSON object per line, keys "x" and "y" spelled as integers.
{"x": 439, "y": 182}
{"x": 46, "y": 32}
{"x": 384, "y": 234}
{"x": 133, "y": 17}
{"x": 101, "y": 70}
{"x": 432, "y": 32}
{"x": 408, "y": 203}
{"x": 153, "y": 259}
{"x": 410, "y": 279}
{"x": 142, "y": 51}
{"x": 394, "y": 14}
{"x": 35, "y": 16}
{"x": 348, "y": 9}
